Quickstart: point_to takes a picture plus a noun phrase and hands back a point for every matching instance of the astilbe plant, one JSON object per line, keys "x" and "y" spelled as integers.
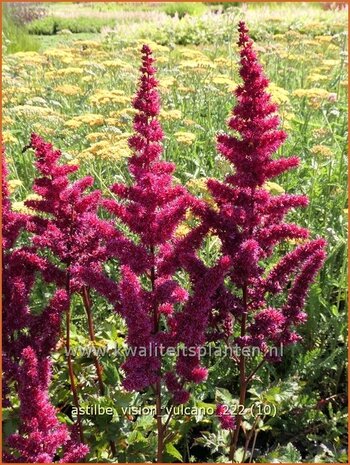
{"x": 28, "y": 341}
{"x": 148, "y": 296}
{"x": 250, "y": 223}
{"x": 67, "y": 229}
{"x": 248, "y": 297}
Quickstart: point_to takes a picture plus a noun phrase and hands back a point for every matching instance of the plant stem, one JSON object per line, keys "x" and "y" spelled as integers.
{"x": 242, "y": 381}
{"x": 160, "y": 428}
{"x": 249, "y": 437}
{"x": 70, "y": 363}
{"x": 253, "y": 446}
{"x": 249, "y": 377}
{"x": 68, "y": 318}
{"x": 169, "y": 417}
{"x": 88, "y": 309}
{"x": 87, "y": 306}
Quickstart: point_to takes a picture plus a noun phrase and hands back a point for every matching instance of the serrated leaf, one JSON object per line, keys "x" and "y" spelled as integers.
{"x": 173, "y": 452}
{"x": 223, "y": 395}
{"x": 239, "y": 455}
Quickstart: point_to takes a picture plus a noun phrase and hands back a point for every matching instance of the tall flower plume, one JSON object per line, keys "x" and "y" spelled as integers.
{"x": 67, "y": 225}
{"x": 250, "y": 223}
{"x": 28, "y": 341}
{"x": 151, "y": 208}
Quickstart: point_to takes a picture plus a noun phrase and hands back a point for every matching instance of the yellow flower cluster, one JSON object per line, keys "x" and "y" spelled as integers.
{"x": 197, "y": 65}
{"x": 278, "y": 94}
{"x": 8, "y": 137}
{"x": 170, "y": 115}
{"x": 87, "y": 44}
{"x": 90, "y": 119}
{"x": 70, "y": 71}
{"x": 273, "y": 188}
{"x": 321, "y": 150}
{"x": 30, "y": 58}
{"x": 166, "y": 82}
{"x": 314, "y": 96}
{"x": 116, "y": 64}
{"x": 67, "y": 89}
{"x": 224, "y": 81}
{"x": 186, "y": 138}
{"x": 14, "y": 184}
{"x": 182, "y": 230}
{"x": 315, "y": 77}
{"x": 116, "y": 150}
{"x": 319, "y": 133}
{"x": 7, "y": 121}
{"x": 20, "y": 206}
{"x": 109, "y": 97}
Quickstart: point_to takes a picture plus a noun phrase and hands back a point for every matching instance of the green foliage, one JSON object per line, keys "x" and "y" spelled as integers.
{"x": 285, "y": 454}
{"x": 184, "y": 8}
{"x": 222, "y": 5}
{"x": 15, "y": 36}
{"x": 215, "y": 29}
{"x": 192, "y": 30}
{"x": 51, "y": 25}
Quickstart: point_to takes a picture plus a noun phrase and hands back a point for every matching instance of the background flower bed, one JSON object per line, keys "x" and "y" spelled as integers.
{"x": 79, "y": 96}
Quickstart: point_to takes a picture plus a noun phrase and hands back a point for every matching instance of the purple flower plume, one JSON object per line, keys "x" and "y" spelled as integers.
{"x": 250, "y": 221}
{"x": 28, "y": 341}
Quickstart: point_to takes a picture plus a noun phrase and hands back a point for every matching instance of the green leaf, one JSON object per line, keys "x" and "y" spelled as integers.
{"x": 173, "y": 452}
{"x": 111, "y": 374}
{"x": 223, "y": 395}
{"x": 291, "y": 454}
{"x": 137, "y": 437}
{"x": 145, "y": 421}
{"x": 239, "y": 455}
{"x": 123, "y": 399}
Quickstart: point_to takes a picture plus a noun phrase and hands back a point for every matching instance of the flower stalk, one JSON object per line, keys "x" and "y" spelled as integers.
{"x": 250, "y": 223}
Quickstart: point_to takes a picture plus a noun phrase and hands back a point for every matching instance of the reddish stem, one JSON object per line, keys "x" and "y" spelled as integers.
{"x": 87, "y": 305}
{"x": 88, "y": 309}
{"x": 70, "y": 363}
{"x": 242, "y": 381}
{"x": 160, "y": 428}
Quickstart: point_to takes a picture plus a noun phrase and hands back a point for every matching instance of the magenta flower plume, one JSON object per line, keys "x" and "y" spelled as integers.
{"x": 28, "y": 341}
{"x": 250, "y": 222}
{"x": 67, "y": 226}
{"x": 19, "y": 266}
{"x": 16, "y": 286}
{"x": 66, "y": 221}
{"x": 255, "y": 120}
{"x": 225, "y": 417}
{"x": 152, "y": 208}
{"x": 41, "y": 435}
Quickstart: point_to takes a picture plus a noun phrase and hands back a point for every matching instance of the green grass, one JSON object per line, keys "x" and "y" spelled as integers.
{"x": 15, "y": 37}
{"x": 57, "y": 40}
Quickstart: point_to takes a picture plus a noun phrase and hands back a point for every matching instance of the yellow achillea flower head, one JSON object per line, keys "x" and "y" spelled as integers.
{"x": 321, "y": 150}
{"x": 68, "y": 90}
{"x": 186, "y": 138}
